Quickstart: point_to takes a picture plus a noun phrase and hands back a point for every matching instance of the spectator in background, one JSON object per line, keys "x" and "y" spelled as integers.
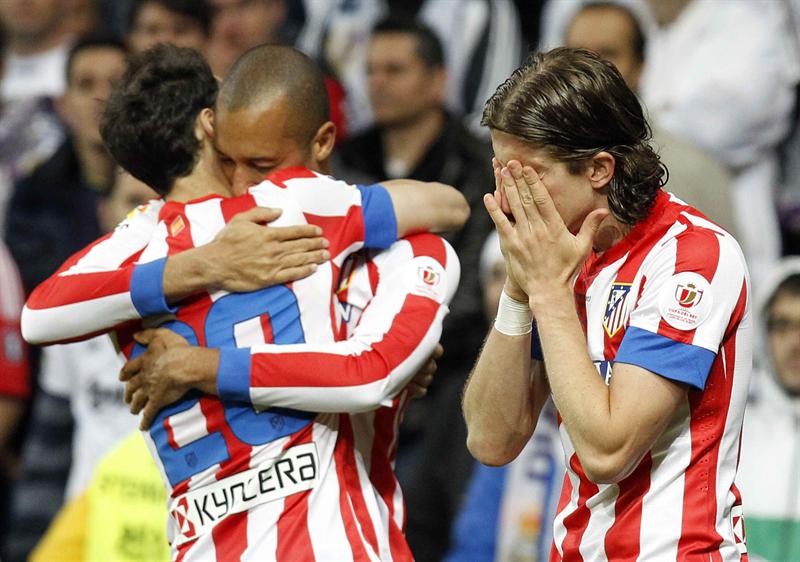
{"x": 722, "y": 75}
{"x": 53, "y": 212}
{"x": 82, "y": 17}
{"x": 183, "y": 23}
{"x": 14, "y": 382}
{"x": 240, "y": 25}
{"x": 618, "y": 31}
{"x": 37, "y": 48}
{"x": 415, "y": 137}
{"x": 771, "y": 433}
{"x": 29, "y": 134}
{"x": 481, "y": 39}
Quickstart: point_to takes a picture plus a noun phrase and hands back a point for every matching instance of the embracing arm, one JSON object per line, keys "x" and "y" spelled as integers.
{"x": 103, "y": 287}
{"x": 395, "y": 336}
{"x": 426, "y": 206}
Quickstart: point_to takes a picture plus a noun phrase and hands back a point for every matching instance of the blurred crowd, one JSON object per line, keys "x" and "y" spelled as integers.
{"x": 407, "y": 80}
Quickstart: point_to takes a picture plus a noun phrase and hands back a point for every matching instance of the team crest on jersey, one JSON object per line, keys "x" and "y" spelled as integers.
{"x": 616, "y": 313}
{"x": 176, "y": 226}
{"x": 131, "y": 214}
{"x": 685, "y": 300}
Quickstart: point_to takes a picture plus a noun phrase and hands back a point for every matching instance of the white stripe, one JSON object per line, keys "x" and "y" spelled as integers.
{"x": 185, "y": 428}
{"x": 662, "y": 505}
{"x": 249, "y": 333}
{"x": 601, "y": 516}
{"x": 11, "y": 296}
{"x": 262, "y": 532}
{"x": 205, "y": 220}
{"x": 313, "y": 297}
{"x": 325, "y": 523}
{"x": 324, "y": 196}
{"x": 559, "y": 530}
{"x": 596, "y": 300}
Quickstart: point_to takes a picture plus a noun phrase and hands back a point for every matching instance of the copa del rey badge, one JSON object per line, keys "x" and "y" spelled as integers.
{"x": 686, "y": 300}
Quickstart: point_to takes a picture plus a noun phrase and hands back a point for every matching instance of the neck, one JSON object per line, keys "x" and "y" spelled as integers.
{"x": 202, "y": 181}
{"x": 410, "y": 140}
{"x": 610, "y": 232}
{"x": 97, "y": 167}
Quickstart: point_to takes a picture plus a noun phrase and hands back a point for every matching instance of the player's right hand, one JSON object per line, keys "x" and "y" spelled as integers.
{"x": 250, "y": 255}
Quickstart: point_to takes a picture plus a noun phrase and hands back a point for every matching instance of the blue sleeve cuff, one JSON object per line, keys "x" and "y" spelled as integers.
{"x": 536, "y": 345}
{"x": 380, "y": 222}
{"x": 668, "y": 358}
{"x": 233, "y": 374}
{"x": 147, "y": 289}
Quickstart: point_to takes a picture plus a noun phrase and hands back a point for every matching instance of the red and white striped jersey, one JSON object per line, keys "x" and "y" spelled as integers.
{"x": 673, "y": 298}
{"x": 391, "y": 307}
{"x": 14, "y": 375}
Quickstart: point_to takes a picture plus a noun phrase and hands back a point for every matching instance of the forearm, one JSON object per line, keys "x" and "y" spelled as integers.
{"x": 501, "y": 405}
{"x": 191, "y": 271}
{"x": 426, "y": 206}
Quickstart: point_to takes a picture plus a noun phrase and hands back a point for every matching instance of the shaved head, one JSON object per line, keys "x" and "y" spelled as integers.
{"x": 267, "y": 73}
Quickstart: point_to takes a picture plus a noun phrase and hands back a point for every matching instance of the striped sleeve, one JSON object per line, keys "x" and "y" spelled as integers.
{"x": 686, "y": 305}
{"x": 14, "y": 368}
{"x": 100, "y": 287}
{"x": 397, "y": 332}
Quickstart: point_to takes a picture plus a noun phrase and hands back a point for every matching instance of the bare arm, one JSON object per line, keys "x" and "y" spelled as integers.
{"x": 426, "y": 206}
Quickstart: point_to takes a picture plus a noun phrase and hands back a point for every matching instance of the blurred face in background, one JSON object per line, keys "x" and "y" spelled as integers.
{"x": 80, "y": 16}
{"x": 29, "y": 21}
{"x": 155, "y": 24}
{"x": 89, "y": 83}
{"x": 127, "y": 194}
{"x": 243, "y": 24}
{"x": 402, "y": 88}
{"x": 610, "y": 32}
{"x": 783, "y": 327}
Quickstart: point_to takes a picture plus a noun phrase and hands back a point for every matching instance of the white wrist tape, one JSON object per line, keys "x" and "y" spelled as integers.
{"x": 514, "y": 318}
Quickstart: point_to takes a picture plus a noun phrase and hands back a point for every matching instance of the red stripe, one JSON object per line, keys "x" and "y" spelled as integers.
{"x": 230, "y": 537}
{"x": 341, "y": 231}
{"x": 577, "y": 521}
{"x": 183, "y": 549}
{"x": 709, "y": 412}
{"x": 266, "y": 328}
{"x": 428, "y": 245}
{"x": 622, "y": 539}
{"x": 353, "y": 484}
{"x": 170, "y": 436}
{"x": 697, "y": 251}
{"x": 294, "y": 540}
{"x": 341, "y": 453}
{"x": 232, "y": 206}
{"x": 382, "y": 476}
{"x": 326, "y": 369}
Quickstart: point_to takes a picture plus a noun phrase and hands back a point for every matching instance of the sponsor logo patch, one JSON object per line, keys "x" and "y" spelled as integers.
{"x": 429, "y": 276}
{"x": 685, "y": 300}
{"x": 176, "y": 226}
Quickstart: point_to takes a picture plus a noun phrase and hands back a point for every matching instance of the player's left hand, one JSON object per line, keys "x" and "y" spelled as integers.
{"x": 154, "y": 378}
{"x": 418, "y": 387}
{"x": 541, "y": 253}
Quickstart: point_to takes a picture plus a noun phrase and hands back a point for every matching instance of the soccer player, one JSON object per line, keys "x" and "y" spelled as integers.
{"x": 240, "y": 437}
{"x": 619, "y": 276}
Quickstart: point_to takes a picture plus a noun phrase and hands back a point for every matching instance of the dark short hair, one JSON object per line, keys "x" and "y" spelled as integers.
{"x": 429, "y": 47}
{"x": 573, "y": 104}
{"x": 198, "y": 10}
{"x": 92, "y": 41}
{"x": 639, "y": 39}
{"x": 267, "y": 71}
{"x": 149, "y": 119}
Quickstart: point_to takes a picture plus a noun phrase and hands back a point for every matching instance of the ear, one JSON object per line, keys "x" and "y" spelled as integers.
{"x": 206, "y": 120}
{"x": 601, "y": 169}
{"x": 324, "y": 140}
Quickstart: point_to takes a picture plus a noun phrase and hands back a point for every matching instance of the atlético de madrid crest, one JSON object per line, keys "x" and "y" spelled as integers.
{"x": 616, "y": 308}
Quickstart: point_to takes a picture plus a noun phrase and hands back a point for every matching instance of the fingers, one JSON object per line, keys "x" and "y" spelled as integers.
{"x": 304, "y": 245}
{"x": 589, "y": 228}
{"x": 438, "y": 351}
{"x": 541, "y": 197}
{"x": 259, "y": 215}
{"x": 416, "y": 391}
{"x": 131, "y": 387}
{"x": 149, "y": 414}
{"x": 144, "y": 337}
{"x": 138, "y": 401}
{"x": 296, "y": 260}
{"x": 282, "y": 233}
{"x": 131, "y": 368}
{"x": 497, "y": 215}
{"x": 290, "y": 274}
